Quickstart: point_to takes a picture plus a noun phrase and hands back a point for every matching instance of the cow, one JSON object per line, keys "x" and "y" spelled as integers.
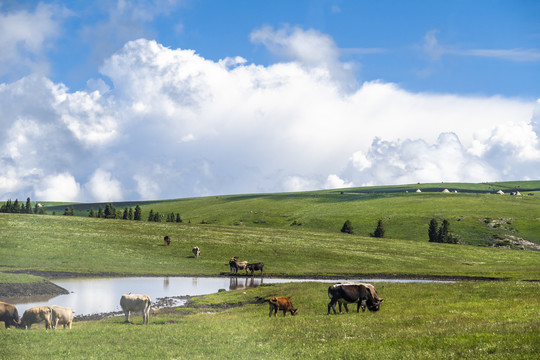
{"x": 232, "y": 266}
{"x": 167, "y": 240}
{"x": 61, "y": 316}
{"x": 239, "y": 265}
{"x": 9, "y": 315}
{"x": 370, "y": 288}
{"x": 35, "y": 315}
{"x": 196, "y": 251}
{"x": 354, "y": 293}
{"x": 281, "y": 303}
{"x": 136, "y": 303}
{"x": 255, "y": 267}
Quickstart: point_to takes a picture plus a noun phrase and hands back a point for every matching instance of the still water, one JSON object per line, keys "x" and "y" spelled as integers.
{"x": 102, "y": 295}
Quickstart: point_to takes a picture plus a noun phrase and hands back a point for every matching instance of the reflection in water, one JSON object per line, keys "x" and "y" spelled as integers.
{"x": 238, "y": 283}
{"x": 102, "y": 295}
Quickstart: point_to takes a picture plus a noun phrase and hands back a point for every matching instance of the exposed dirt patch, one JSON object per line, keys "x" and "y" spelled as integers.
{"x": 42, "y": 288}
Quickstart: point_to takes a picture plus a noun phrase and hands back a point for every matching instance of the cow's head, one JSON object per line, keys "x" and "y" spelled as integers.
{"x": 374, "y": 305}
{"x": 294, "y": 311}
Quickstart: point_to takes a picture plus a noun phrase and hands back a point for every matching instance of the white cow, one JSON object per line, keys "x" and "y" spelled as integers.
{"x": 61, "y": 316}
{"x": 136, "y": 303}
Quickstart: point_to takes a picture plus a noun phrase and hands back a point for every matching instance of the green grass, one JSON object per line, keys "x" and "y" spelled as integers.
{"x": 471, "y": 320}
{"x": 464, "y": 320}
{"x": 84, "y": 245}
{"x": 406, "y": 214}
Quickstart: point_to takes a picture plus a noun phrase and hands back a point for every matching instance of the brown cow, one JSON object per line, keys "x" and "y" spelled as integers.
{"x": 255, "y": 267}
{"x": 61, "y": 316}
{"x": 35, "y": 315}
{"x": 9, "y": 314}
{"x": 354, "y": 293}
{"x": 167, "y": 240}
{"x": 281, "y": 303}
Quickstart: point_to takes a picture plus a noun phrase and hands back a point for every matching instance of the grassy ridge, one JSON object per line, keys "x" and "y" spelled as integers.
{"x": 444, "y": 321}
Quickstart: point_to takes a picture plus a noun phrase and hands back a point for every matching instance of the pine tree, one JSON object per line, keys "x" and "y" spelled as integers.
{"x": 29, "y": 206}
{"x": 379, "y": 231}
{"x": 91, "y": 213}
{"x": 125, "y": 216}
{"x": 433, "y": 231}
{"x": 130, "y": 214}
{"x": 442, "y": 236}
{"x": 100, "y": 213}
{"x": 347, "y": 227}
{"x": 151, "y": 215}
{"x": 178, "y": 218}
{"x": 138, "y": 213}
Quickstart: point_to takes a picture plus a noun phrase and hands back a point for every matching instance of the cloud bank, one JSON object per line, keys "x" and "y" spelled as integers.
{"x": 174, "y": 124}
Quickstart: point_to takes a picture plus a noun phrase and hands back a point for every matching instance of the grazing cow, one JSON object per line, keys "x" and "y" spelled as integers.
{"x": 196, "y": 251}
{"x": 35, "y": 315}
{"x": 281, "y": 303}
{"x": 9, "y": 315}
{"x": 61, "y": 316}
{"x": 370, "y": 288}
{"x": 354, "y": 293}
{"x": 255, "y": 267}
{"x": 167, "y": 240}
{"x": 239, "y": 265}
{"x": 136, "y": 303}
{"x": 232, "y": 266}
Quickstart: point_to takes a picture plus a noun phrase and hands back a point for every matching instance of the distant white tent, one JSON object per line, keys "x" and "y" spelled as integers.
{"x": 418, "y": 190}
{"x": 445, "y": 191}
{"x": 500, "y": 192}
{"x": 455, "y": 191}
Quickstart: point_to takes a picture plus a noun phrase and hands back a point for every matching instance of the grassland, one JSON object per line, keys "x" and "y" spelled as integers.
{"x": 480, "y": 320}
{"x": 466, "y": 320}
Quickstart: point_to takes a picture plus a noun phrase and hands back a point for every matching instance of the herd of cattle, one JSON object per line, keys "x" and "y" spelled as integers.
{"x": 364, "y": 295}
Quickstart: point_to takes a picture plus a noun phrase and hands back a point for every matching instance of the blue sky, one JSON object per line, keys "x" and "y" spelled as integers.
{"x": 428, "y": 88}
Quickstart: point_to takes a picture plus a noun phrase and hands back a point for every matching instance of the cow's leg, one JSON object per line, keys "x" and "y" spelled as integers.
{"x": 271, "y": 309}
{"x": 127, "y": 315}
{"x": 284, "y": 312}
{"x": 332, "y": 304}
{"x": 345, "y": 306}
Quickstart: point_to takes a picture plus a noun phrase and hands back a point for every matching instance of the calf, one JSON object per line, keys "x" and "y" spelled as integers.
{"x": 35, "y": 315}
{"x": 281, "y": 303}
{"x": 255, "y": 267}
{"x": 61, "y": 316}
{"x": 9, "y": 315}
{"x": 136, "y": 303}
{"x": 167, "y": 240}
{"x": 196, "y": 251}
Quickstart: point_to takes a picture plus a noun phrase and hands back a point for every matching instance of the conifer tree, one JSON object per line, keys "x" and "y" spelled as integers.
{"x": 347, "y": 227}
{"x": 151, "y": 215}
{"x": 91, "y": 213}
{"x": 433, "y": 231}
{"x": 29, "y": 206}
{"x": 130, "y": 214}
{"x": 100, "y": 213}
{"x": 178, "y": 218}
{"x": 379, "y": 231}
{"x": 138, "y": 213}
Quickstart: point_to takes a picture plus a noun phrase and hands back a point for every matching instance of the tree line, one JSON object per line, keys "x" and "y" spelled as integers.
{"x": 17, "y": 207}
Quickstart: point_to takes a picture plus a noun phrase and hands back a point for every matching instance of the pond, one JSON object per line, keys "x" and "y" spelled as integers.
{"x": 102, "y": 295}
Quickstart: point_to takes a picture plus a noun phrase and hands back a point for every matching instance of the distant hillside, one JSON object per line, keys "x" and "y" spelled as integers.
{"x": 477, "y": 214}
